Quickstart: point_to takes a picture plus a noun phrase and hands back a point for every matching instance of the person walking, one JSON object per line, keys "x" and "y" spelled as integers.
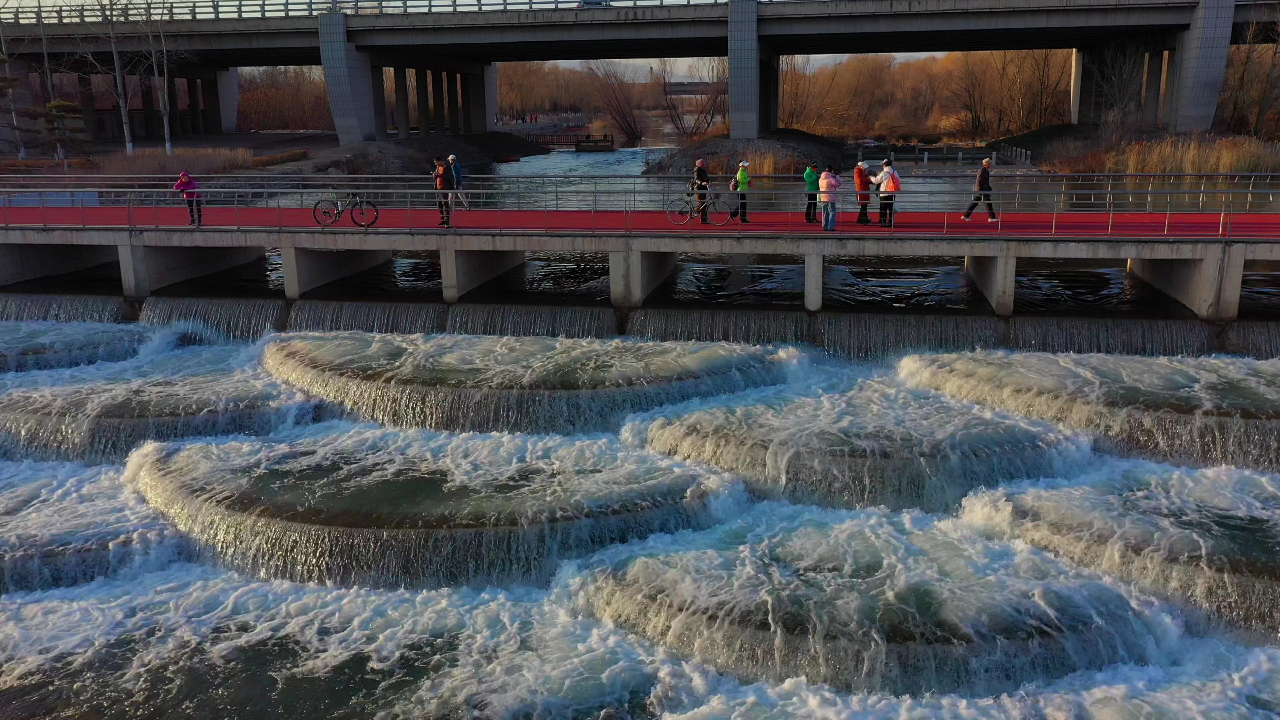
{"x": 190, "y": 190}
{"x": 457, "y": 197}
{"x": 828, "y": 184}
{"x": 862, "y": 184}
{"x": 740, "y": 183}
{"x": 889, "y": 183}
{"x": 444, "y": 190}
{"x": 811, "y": 181}
{"x": 701, "y": 184}
{"x": 982, "y": 192}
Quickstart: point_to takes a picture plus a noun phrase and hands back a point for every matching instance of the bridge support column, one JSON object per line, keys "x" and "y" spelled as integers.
{"x": 175, "y": 113}
{"x": 462, "y": 271}
{"x": 994, "y": 276}
{"x": 744, "y": 70}
{"x": 306, "y": 269}
{"x": 490, "y": 97}
{"x": 437, "y": 99}
{"x": 1202, "y": 65}
{"x": 634, "y": 274}
{"x": 1153, "y": 78}
{"x": 813, "y": 277}
{"x": 28, "y": 262}
{"x": 770, "y": 88}
{"x": 402, "y": 103}
{"x": 1209, "y": 287}
{"x": 451, "y": 102}
{"x": 378, "y": 86}
{"x": 1084, "y": 86}
{"x": 347, "y": 78}
{"x": 193, "y": 106}
{"x": 465, "y": 99}
{"x": 87, "y": 108}
{"x": 422, "y": 78}
{"x": 227, "y": 87}
{"x": 145, "y": 269}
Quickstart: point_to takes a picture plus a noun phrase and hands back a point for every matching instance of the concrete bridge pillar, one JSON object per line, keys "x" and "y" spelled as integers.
{"x": 402, "y": 103}
{"x": 753, "y": 75}
{"x": 437, "y": 96}
{"x": 193, "y": 106}
{"x": 1201, "y": 66}
{"x": 813, "y": 276}
{"x": 347, "y": 78}
{"x": 175, "y": 112}
{"x": 634, "y": 274}
{"x": 422, "y": 78}
{"x": 1084, "y": 85}
{"x": 994, "y": 276}
{"x": 306, "y": 269}
{"x": 466, "y": 99}
{"x": 490, "y": 78}
{"x": 87, "y": 109}
{"x": 144, "y": 269}
{"x": 1208, "y": 286}
{"x": 451, "y": 102}
{"x": 462, "y": 271}
{"x": 378, "y": 86}
{"x": 227, "y": 91}
{"x": 1153, "y": 79}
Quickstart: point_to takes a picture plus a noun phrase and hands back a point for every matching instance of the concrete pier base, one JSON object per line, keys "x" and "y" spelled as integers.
{"x": 28, "y": 262}
{"x": 309, "y": 269}
{"x": 634, "y": 274}
{"x": 146, "y": 269}
{"x": 994, "y": 276}
{"x": 462, "y": 271}
{"x": 813, "y": 274}
{"x": 1209, "y": 287}
{"x": 347, "y": 76}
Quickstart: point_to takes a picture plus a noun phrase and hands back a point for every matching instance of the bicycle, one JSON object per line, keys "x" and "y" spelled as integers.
{"x": 682, "y": 210}
{"x": 327, "y": 212}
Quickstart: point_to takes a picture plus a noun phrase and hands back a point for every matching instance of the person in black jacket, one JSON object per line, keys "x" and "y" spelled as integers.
{"x": 982, "y": 192}
{"x": 701, "y": 183}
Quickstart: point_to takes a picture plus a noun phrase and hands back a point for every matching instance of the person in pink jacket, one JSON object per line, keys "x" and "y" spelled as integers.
{"x": 827, "y": 185}
{"x": 190, "y": 190}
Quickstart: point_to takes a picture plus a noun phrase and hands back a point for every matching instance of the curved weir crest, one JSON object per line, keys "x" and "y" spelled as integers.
{"x": 414, "y": 508}
{"x": 865, "y": 601}
{"x": 28, "y": 346}
{"x": 1197, "y": 410}
{"x": 530, "y": 384}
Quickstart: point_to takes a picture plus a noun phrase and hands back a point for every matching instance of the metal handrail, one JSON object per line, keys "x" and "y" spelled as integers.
{"x": 1188, "y": 214}
{"x": 145, "y": 11}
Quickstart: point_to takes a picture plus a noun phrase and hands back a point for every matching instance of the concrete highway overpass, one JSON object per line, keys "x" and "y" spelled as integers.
{"x": 456, "y": 44}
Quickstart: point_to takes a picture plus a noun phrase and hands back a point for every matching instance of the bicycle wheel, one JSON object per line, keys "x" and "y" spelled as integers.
{"x": 364, "y": 213}
{"x": 679, "y": 212}
{"x": 718, "y": 212}
{"x": 326, "y": 212}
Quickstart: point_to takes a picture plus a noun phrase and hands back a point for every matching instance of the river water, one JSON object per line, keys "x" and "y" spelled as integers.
{"x": 695, "y": 530}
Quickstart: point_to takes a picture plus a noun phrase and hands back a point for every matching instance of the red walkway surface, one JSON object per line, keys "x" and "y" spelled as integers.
{"x": 1261, "y": 226}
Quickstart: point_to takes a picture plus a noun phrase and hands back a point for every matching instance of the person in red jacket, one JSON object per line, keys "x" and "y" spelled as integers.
{"x": 444, "y": 188}
{"x": 190, "y": 190}
{"x": 862, "y": 183}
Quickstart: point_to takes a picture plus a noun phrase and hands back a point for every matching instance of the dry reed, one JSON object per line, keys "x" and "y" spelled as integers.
{"x": 197, "y": 161}
{"x": 1178, "y": 154}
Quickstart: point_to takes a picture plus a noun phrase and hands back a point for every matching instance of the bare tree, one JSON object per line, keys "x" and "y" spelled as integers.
{"x": 1251, "y": 92}
{"x": 9, "y": 83}
{"x": 1119, "y": 88}
{"x": 111, "y": 16}
{"x": 968, "y": 94}
{"x": 158, "y": 57}
{"x": 693, "y": 116}
{"x": 616, "y": 91}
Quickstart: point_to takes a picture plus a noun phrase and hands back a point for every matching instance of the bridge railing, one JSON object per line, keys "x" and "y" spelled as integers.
{"x": 1190, "y": 214}
{"x": 145, "y": 10}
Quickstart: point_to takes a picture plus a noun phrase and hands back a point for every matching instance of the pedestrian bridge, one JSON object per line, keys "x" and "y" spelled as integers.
{"x": 1188, "y": 237}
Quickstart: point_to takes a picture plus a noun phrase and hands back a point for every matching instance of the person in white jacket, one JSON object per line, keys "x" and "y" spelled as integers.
{"x": 889, "y": 183}
{"x": 827, "y": 185}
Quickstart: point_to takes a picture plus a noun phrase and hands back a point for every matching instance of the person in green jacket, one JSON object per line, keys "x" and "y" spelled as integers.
{"x": 740, "y": 183}
{"x": 811, "y": 177}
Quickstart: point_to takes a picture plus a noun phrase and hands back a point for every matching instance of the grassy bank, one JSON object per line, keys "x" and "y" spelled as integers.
{"x": 1175, "y": 154}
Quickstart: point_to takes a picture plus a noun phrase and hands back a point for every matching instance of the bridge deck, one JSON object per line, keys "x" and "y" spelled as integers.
{"x": 1012, "y": 225}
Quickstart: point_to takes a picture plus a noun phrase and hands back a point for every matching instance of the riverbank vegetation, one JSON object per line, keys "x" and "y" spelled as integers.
{"x": 1195, "y": 154}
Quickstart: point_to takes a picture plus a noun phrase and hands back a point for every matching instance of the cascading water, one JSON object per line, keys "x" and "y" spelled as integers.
{"x": 1254, "y": 339}
{"x": 63, "y": 524}
{"x": 459, "y": 382}
{"x": 28, "y": 346}
{"x": 1203, "y": 537}
{"x": 877, "y": 336}
{"x": 533, "y": 320}
{"x": 99, "y": 414}
{"x": 1110, "y": 335}
{"x": 381, "y": 317}
{"x": 1198, "y": 410}
{"x": 879, "y": 444}
{"x": 866, "y": 602}
{"x": 61, "y": 308}
{"x": 227, "y": 319}
{"x": 731, "y": 325}
{"x": 413, "y": 508}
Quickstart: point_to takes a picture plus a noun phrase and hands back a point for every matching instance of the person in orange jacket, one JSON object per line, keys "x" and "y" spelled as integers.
{"x": 862, "y": 183}
{"x": 889, "y": 184}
